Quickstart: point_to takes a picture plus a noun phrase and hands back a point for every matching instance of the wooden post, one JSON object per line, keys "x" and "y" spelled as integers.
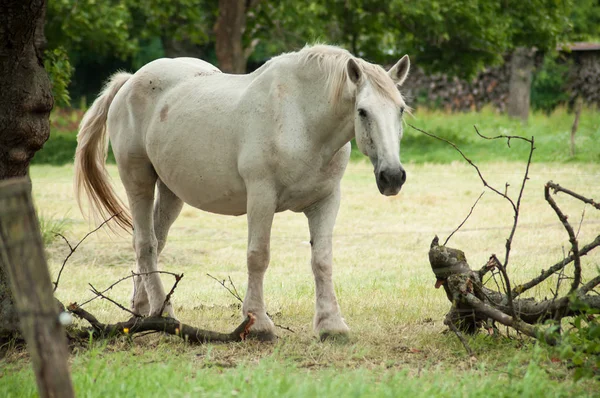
{"x": 22, "y": 258}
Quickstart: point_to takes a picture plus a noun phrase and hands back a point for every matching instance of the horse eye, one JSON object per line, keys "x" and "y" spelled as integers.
{"x": 401, "y": 111}
{"x": 362, "y": 112}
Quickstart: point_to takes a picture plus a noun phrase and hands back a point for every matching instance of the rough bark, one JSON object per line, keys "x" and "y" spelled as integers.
{"x": 473, "y": 304}
{"x": 22, "y": 258}
{"x": 519, "y": 88}
{"x": 25, "y": 105}
{"x": 229, "y": 30}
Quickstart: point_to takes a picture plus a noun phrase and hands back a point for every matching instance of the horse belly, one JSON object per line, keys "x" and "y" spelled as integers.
{"x": 200, "y": 173}
{"x": 215, "y": 193}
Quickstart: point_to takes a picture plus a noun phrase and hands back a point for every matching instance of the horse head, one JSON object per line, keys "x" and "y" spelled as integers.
{"x": 378, "y": 112}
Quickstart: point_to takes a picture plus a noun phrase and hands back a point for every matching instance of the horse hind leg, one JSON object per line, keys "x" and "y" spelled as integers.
{"x": 166, "y": 209}
{"x": 139, "y": 179}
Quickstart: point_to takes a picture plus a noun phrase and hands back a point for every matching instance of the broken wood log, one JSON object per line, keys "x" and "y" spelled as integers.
{"x": 475, "y": 305}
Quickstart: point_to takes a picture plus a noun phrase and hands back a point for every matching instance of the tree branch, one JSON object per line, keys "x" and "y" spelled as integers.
{"x": 166, "y": 325}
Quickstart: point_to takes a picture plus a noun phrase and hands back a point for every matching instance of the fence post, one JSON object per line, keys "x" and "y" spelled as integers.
{"x": 22, "y": 258}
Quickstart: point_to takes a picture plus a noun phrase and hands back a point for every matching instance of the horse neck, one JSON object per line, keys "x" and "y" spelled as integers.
{"x": 330, "y": 125}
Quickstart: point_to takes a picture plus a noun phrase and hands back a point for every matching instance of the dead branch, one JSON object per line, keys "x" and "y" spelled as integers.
{"x": 473, "y": 303}
{"x": 168, "y": 296}
{"x": 465, "y": 220}
{"x": 102, "y": 296}
{"x": 233, "y": 291}
{"x": 133, "y": 275}
{"x": 74, "y": 248}
{"x": 159, "y": 324}
{"x": 516, "y": 206}
{"x": 572, "y": 238}
{"x": 558, "y": 188}
{"x": 555, "y": 268}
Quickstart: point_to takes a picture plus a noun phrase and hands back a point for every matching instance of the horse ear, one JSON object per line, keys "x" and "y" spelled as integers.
{"x": 354, "y": 71}
{"x": 399, "y": 71}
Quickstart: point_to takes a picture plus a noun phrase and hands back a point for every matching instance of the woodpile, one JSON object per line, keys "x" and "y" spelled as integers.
{"x": 490, "y": 87}
{"x": 584, "y": 79}
{"x": 458, "y": 95}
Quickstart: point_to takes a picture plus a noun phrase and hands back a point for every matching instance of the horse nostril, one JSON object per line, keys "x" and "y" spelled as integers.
{"x": 402, "y": 176}
{"x": 383, "y": 178}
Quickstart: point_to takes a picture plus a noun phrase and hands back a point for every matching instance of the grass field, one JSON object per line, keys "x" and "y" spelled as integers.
{"x": 382, "y": 278}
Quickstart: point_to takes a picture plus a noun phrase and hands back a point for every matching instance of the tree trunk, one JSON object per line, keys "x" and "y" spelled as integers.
{"x": 22, "y": 258}
{"x": 578, "y": 106}
{"x": 229, "y": 30}
{"x": 519, "y": 91}
{"x": 25, "y": 105}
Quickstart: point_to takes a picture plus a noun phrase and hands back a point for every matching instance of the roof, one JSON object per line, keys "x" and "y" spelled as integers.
{"x": 580, "y": 46}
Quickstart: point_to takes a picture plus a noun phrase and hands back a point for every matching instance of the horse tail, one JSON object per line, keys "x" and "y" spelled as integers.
{"x": 91, "y": 175}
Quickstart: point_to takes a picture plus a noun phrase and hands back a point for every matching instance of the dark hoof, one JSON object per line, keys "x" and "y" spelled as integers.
{"x": 263, "y": 336}
{"x": 336, "y": 337}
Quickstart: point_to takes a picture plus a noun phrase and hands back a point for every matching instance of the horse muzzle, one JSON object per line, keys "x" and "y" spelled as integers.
{"x": 390, "y": 181}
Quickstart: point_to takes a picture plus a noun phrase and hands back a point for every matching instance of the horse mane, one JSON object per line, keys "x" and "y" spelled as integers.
{"x": 333, "y": 60}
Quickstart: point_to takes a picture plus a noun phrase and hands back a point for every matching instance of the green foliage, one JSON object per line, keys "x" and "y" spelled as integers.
{"x": 59, "y": 69}
{"x": 580, "y": 344}
{"x": 99, "y": 27}
{"x": 585, "y": 21}
{"x": 548, "y": 89}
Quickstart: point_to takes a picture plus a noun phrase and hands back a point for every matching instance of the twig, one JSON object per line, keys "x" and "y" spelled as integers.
{"x": 168, "y": 297}
{"x": 465, "y": 220}
{"x": 73, "y": 248}
{"x": 580, "y": 222}
{"x": 572, "y": 238}
{"x": 233, "y": 292}
{"x": 483, "y": 180}
{"x": 101, "y": 295}
{"x": 556, "y": 267}
{"x": 133, "y": 275}
{"x": 448, "y": 322}
{"x": 558, "y": 188}
{"x": 590, "y": 285}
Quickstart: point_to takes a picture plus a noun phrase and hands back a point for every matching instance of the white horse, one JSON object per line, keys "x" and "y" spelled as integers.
{"x": 273, "y": 140}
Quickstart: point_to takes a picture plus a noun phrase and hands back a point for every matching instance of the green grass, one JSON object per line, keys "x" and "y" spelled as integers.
{"x": 157, "y": 373}
{"x": 552, "y": 135}
{"x": 50, "y": 226}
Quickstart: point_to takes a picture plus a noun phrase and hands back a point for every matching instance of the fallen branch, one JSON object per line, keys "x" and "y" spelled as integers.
{"x": 159, "y": 324}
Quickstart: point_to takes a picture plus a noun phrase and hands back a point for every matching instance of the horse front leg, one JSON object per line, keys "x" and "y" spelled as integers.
{"x": 328, "y": 321}
{"x": 261, "y": 210}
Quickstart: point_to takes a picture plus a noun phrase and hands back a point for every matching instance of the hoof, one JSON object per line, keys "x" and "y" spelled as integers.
{"x": 336, "y": 337}
{"x": 263, "y": 335}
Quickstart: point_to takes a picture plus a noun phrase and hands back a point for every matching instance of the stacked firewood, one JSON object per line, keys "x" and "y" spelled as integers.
{"x": 584, "y": 79}
{"x": 489, "y": 87}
